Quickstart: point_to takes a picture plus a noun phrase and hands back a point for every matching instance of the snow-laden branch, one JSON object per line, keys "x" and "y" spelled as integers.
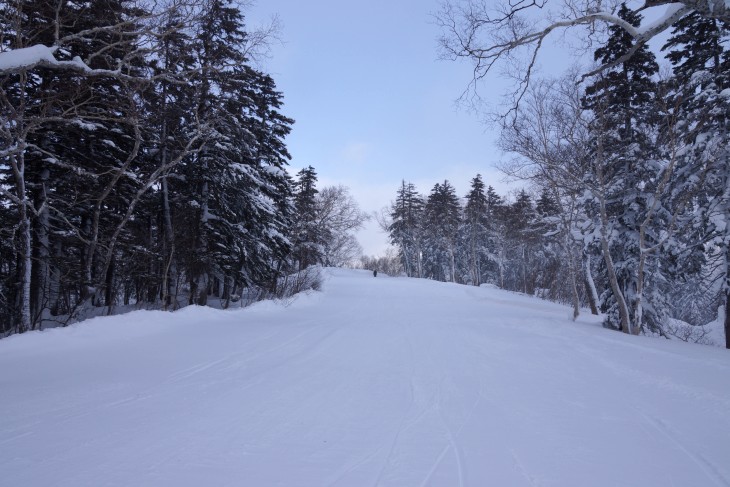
{"x": 28, "y": 58}
{"x": 673, "y": 13}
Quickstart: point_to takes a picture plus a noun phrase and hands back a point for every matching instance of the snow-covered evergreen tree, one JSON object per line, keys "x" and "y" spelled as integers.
{"x": 623, "y": 100}
{"x": 521, "y": 242}
{"x": 475, "y": 235}
{"x": 496, "y": 248}
{"x": 75, "y": 140}
{"x": 405, "y": 229}
{"x": 441, "y": 219}
{"x": 148, "y": 154}
{"x": 700, "y": 65}
{"x": 308, "y": 238}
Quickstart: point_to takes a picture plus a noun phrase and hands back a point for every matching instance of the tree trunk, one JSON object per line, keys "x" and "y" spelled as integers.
{"x": 639, "y": 305}
{"x": 452, "y": 264}
{"x": 87, "y": 259}
{"x": 202, "y": 272}
{"x": 615, "y": 288}
{"x": 473, "y": 259}
{"x": 727, "y": 264}
{"x": 623, "y": 310}
{"x": 109, "y": 287}
{"x": 39, "y": 277}
{"x": 727, "y": 319}
{"x": 591, "y": 287}
{"x": 26, "y": 322}
{"x": 153, "y": 290}
{"x": 727, "y": 293}
{"x": 573, "y": 283}
{"x": 54, "y": 285}
{"x": 202, "y": 285}
{"x": 524, "y": 270}
{"x": 25, "y": 262}
{"x": 500, "y": 266}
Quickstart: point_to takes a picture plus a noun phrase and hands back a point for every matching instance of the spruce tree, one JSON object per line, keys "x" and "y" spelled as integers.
{"x": 440, "y": 228}
{"x": 622, "y": 101}
{"x": 497, "y": 248}
{"x": 521, "y": 239}
{"x": 237, "y": 209}
{"x": 268, "y": 241}
{"x": 547, "y": 229}
{"x": 171, "y": 106}
{"x": 475, "y": 231}
{"x": 405, "y": 228}
{"x": 307, "y": 236}
{"x": 700, "y": 65}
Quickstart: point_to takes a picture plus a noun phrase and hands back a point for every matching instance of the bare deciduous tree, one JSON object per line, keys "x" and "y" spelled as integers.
{"x": 338, "y": 216}
{"x": 549, "y": 135}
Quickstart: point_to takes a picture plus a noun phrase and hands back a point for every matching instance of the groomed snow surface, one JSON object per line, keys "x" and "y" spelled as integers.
{"x": 374, "y": 381}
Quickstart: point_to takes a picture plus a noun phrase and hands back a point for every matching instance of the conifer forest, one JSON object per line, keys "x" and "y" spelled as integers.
{"x": 153, "y": 172}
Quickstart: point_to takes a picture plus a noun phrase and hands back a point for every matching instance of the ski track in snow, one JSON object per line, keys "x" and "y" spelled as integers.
{"x": 712, "y": 471}
{"x": 373, "y": 382}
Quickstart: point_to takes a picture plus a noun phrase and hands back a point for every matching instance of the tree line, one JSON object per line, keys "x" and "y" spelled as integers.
{"x": 143, "y": 162}
{"x": 482, "y": 239}
{"x": 634, "y": 163}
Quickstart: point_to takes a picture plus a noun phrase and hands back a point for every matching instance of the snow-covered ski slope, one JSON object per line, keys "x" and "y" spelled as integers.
{"x": 374, "y": 381}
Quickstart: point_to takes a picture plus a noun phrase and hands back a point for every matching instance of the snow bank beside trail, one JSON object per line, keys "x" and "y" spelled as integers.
{"x": 108, "y": 329}
{"x": 373, "y": 381}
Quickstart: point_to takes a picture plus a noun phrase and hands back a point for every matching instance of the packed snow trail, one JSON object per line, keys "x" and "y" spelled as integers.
{"x": 374, "y": 381}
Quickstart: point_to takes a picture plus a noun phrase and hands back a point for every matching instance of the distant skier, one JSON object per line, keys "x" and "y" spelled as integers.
{"x": 375, "y": 273}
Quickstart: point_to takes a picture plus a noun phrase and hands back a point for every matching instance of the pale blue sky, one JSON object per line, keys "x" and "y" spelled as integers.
{"x": 373, "y": 104}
